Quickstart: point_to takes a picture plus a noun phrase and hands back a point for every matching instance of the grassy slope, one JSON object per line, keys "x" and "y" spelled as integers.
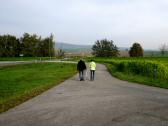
{"x": 21, "y": 82}
{"x": 134, "y": 77}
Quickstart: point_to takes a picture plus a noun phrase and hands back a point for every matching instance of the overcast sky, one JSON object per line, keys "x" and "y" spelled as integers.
{"x": 85, "y": 21}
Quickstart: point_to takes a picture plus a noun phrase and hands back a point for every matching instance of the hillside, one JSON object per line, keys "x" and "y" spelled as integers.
{"x": 73, "y": 47}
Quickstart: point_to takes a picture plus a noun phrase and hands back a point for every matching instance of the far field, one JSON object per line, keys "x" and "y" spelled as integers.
{"x": 19, "y": 83}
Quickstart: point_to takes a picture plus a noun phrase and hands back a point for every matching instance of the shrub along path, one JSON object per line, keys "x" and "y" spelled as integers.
{"x": 106, "y": 101}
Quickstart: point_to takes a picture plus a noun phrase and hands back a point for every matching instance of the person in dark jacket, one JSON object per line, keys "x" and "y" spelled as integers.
{"x": 81, "y": 67}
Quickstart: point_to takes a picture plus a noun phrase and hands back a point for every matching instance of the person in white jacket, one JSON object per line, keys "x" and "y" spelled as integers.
{"x": 92, "y": 66}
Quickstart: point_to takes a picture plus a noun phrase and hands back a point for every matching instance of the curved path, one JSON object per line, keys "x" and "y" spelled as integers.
{"x": 106, "y": 101}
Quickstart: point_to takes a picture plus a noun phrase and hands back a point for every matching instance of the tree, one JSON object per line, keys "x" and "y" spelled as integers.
{"x": 9, "y": 46}
{"x": 51, "y": 45}
{"x": 136, "y": 50}
{"x": 30, "y": 44}
{"x": 163, "y": 48}
{"x": 48, "y": 46}
{"x": 105, "y": 48}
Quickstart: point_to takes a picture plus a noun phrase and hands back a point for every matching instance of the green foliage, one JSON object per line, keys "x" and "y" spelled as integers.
{"x": 28, "y": 46}
{"x": 150, "y": 71}
{"x": 29, "y": 43}
{"x": 136, "y": 50}
{"x": 21, "y": 82}
{"x": 105, "y": 48}
{"x": 136, "y": 78}
{"x": 9, "y": 46}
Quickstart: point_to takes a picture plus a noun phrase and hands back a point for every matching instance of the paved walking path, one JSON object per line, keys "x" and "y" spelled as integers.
{"x": 106, "y": 101}
{"x": 8, "y": 63}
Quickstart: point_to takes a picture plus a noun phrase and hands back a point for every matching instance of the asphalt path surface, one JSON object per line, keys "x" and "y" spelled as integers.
{"x": 106, "y": 101}
{"x": 7, "y": 63}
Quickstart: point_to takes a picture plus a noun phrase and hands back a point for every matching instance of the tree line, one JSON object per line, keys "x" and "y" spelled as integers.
{"x": 27, "y": 46}
{"x": 36, "y": 46}
{"x": 107, "y": 48}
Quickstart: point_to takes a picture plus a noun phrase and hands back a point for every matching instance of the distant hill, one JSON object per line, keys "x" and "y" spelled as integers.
{"x": 73, "y": 47}
{"x": 60, "y": 45}
{"x": 86, "y": 48}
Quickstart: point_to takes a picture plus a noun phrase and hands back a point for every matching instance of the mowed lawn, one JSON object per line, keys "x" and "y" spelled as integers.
{"x": 19, "y": 83}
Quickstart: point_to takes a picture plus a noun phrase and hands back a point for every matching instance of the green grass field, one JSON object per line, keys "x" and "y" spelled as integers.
{"x": 21, "y": 82}
{"x": 151, "y": 71}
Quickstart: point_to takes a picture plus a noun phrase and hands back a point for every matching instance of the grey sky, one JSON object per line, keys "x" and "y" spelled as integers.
{"x": 85, "y": 21}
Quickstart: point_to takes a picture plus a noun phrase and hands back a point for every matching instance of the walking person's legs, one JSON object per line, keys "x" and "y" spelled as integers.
{"x": 93, "y": 71}
{"x": 80, "y": 75}
{"x": 91, "y": 75}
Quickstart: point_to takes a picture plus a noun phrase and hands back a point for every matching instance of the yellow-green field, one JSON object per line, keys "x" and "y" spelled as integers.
{"x": 150, "y": 71}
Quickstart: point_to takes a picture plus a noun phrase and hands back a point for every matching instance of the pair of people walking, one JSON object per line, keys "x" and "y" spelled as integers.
{"x": 81, "y": 67}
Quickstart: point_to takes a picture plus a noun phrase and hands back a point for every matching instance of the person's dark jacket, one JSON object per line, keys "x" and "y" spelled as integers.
{"x": 81, "y": 65}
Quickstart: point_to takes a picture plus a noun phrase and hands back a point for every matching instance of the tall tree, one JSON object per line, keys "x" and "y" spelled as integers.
{"x": 105, "y": 48}
{"x": 9, "y": 46}
{"x": 48, "y": 46}
{"x": 30, "y": 44}
{"x": 136, "y": 50}
{"x": 51, "y": 45}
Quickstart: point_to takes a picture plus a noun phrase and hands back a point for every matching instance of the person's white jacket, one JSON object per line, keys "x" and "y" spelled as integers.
{"x": 92, "y": 65}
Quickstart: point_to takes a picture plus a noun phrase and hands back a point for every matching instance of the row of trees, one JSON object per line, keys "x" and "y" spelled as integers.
{"x": 27, "y": 45}
{"x": 106, "y": 48}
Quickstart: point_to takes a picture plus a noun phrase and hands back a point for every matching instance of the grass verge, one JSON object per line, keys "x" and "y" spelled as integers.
{"x": 22, "y": 82}
{"x": 136, "y": 78}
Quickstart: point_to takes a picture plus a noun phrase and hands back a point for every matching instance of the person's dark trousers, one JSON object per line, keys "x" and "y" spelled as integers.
{"x": 92, "y": 74}
{"x": 81, "y": 75}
